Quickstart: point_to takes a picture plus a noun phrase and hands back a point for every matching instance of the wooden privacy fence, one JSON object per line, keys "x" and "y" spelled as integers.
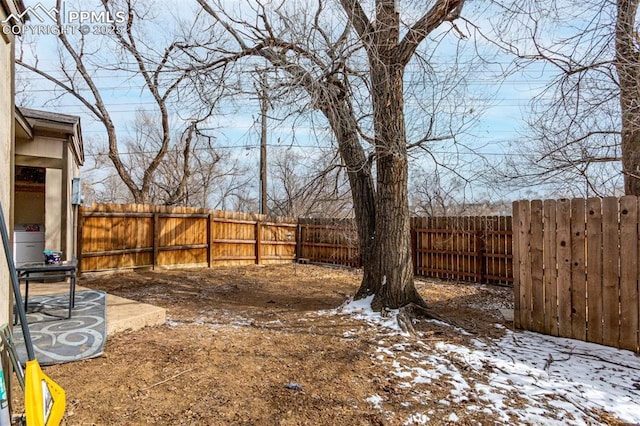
{"x": 113, "y": 236}
{"x": 577, "y": 269}
{"x": 474, "y": 248}
{"x": 462, "y": 248}
{"x": 329, "y": 241}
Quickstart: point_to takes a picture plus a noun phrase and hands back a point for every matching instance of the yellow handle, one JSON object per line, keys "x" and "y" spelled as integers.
{"x": 44, "y": 400}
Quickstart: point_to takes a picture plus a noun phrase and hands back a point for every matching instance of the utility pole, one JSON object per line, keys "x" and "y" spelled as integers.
{"x": 264, "y": 109}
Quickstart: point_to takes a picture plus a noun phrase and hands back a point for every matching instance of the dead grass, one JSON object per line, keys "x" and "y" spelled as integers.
{"x": 237, "y": 336}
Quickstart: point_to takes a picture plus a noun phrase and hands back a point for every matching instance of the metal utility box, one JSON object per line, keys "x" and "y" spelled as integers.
{"x": 28, "y": 243}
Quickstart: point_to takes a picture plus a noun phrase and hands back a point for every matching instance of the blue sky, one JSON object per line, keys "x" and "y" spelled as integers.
{"x": 502, "y": 104}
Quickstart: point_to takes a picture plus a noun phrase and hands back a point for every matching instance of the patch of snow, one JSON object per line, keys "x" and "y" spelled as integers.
{"x": 172, "y": 323}
{"x": 375, "y": 400}
{"x": 559, "y": 379}
{"x": 386, "y": 351}
{"x": 361, "y": 310}
{"x": 357, "y": 306}
{"x": 417, "y": 419}
{"x": 533, "y": 378}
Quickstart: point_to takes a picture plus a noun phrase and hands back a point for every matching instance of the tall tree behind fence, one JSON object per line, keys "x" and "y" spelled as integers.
{"x": 114, "y": 236}
{"x": 577, "y": 269}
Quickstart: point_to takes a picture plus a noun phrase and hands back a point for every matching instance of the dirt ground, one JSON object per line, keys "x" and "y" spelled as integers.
{"x": 256, "y": 346}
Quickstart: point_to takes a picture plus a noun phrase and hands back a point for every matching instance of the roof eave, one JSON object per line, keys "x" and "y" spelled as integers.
{"x": 22, "y": 124}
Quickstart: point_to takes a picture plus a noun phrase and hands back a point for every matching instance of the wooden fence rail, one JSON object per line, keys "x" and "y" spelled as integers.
{"x": 577, "y": 269}
{"x": 573, "y": 263}
{"x": 112, "y": 236}
{"x": 329, "y": 241}
{"x": 475, "y": 249}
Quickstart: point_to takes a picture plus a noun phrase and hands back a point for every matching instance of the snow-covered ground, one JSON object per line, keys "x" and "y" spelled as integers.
{"x": 530, "y": 377}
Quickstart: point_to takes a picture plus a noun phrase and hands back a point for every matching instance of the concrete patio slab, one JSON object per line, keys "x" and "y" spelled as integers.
{"x": 122, "y": 314}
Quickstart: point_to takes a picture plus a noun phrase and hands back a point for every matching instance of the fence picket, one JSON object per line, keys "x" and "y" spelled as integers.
{"x": 563, "y": 252}
{"x": 537, "y": 286}
{"x": 594, "y": 270}
{"x": 578, "y": 273}
{"x": 517, "y": 264}
{"x": 629, "y": 273}
{"x": 550, "y": 268}
{"x": 610, "y": 272}
{"x": 524, "y": 214}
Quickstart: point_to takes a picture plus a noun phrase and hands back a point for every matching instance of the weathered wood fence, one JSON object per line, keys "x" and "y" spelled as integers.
{"x": 329, "y": 241}
{"x": 113, "y": 236}
{"x": 477, "y": 249}
{"x": 573, "y": 263}
{"x": 577, "y": 269}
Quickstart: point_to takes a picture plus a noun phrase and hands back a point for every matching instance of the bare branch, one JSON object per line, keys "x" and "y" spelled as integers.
{"x": 442, "y": 11}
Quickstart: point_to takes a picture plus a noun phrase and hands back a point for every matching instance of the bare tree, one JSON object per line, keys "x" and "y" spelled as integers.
{"x": 435, "y": 195}
{"x": 201, "y": 179}
{"x": 586, "y": 122}
{"x": 100, "y": 187}
{"x": 321, "y": 59}
{"x": 303, "y": 187}
{"x": 165, "y": 76}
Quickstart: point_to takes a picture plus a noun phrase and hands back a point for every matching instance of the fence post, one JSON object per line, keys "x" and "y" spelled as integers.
{"x": 79, "y": 238}
{"x": 156, "y": 237}
{"x": 298, "y": 253}
{"x": 209, "y": 239}
{"x": 480, "y": 256}
{"x": 414, "y": 247}
{"x": 258, "y": 243}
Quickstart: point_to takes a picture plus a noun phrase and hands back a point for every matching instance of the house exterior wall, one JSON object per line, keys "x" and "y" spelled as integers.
{"x": 6, "y": 154}
{"x": 41, "y": 146}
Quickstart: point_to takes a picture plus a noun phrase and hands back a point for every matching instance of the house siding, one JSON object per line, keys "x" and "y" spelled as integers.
{"x": 6, "y": 154}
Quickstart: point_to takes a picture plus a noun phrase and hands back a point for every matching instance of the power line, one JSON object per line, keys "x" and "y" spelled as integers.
{"x": 496, "y": 104}
{"x": 412, "y": 71}
{"x": 248, "y": 147}
{"x": 472, "y": 81}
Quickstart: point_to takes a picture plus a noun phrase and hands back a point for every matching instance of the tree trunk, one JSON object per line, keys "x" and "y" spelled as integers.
{"x": 392, "y": 268}
{"x": 345, "y": 127}
{"x": 393, "y": 283}
{"x": 631, "y": 155}
{"x": 628, "y": 70}
{"x": 382, "y": 215}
